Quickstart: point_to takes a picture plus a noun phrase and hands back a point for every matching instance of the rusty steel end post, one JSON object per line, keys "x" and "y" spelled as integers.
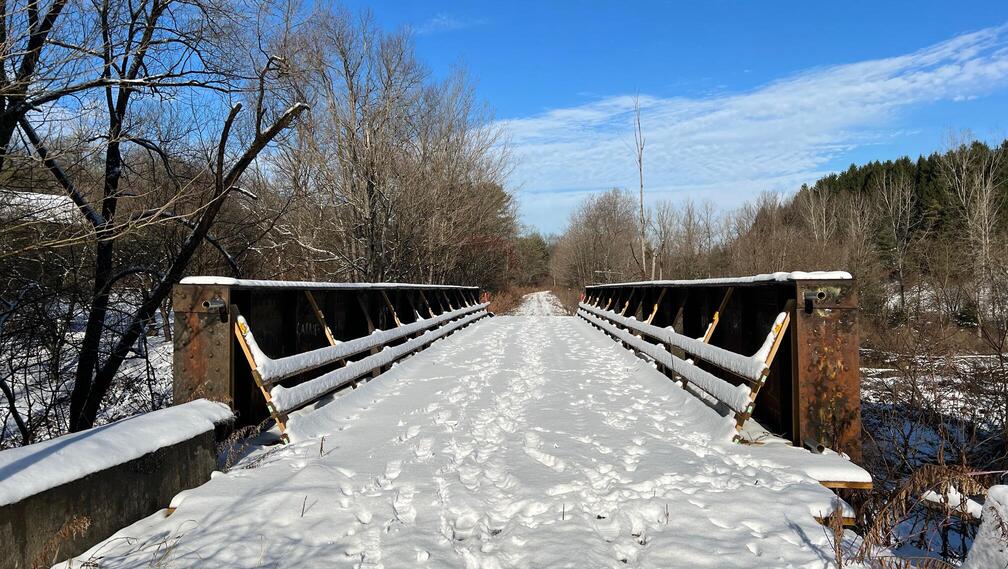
{"x": 826, "y": 376}
{"x": 203, "y": 343}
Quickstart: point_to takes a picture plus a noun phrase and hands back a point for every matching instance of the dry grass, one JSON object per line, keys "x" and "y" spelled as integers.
{"x": 898, "y": 505}
{"x": 237, "y": 445}
{"x": 506, "y": 301}
{"x": 49, "y": 554}
{"x": 835, "y": 527}
{"x": 569, "y": 298}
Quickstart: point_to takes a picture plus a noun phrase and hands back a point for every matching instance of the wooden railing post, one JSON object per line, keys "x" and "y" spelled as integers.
{"x": 717, "y": 315}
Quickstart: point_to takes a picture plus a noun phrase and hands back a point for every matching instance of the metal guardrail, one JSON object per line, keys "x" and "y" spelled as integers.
{"x": 809, "y": 391}
{"x": 282, "y": 399}
{"x": 738, "y": 398}
{"x": 304, "y": 335}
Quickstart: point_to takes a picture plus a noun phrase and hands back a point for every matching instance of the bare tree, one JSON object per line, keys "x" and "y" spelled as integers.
{"x": 970, "y": 169}
{"x": 125, "y": 61}
{"x": 666, "y": 222}
{"x": 639, "y": 155}
{"x": 27, "y": 81}
{"x": 761, "y": 239}
{"x": 600, "y": 241}
{"x": 897, "y": 202}
{"x": 819, "y": 212}
{"x": 398, "y": 176}
{"x": 858, "y": 217}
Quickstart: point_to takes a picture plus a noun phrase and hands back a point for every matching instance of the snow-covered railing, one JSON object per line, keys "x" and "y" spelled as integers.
{"x": 739, "y": 398}
{"x": 272, "y": 371}
{"x": 736, "y": 397}
{"x": 270, "y": 347}
{"x": 381, "y": 344}
{"x": 259, "y": 284}
{"x": 731, "y": 329}
{"x": 288, "y": 398}
{"x": 778, "y": 277}
{"x": 268, "y": 372}
{"x": 752, "y": 367}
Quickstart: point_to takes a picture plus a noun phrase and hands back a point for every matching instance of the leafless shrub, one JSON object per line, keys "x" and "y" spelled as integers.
{"x": 237, "y": 445}
{"x": 905, "y": 500}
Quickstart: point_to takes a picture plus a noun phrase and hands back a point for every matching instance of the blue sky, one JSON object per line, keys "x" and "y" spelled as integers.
{"x": 737, "y": 97}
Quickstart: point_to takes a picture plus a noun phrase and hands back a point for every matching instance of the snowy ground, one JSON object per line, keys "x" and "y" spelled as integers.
{"x": 543, "y": 303}
{"x": 964, "y": 386}
{"x": 518, "y": 442}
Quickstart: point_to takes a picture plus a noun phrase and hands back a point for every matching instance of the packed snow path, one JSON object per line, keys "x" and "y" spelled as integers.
{"x": 518, "y": 442}
{"x": 542, "y": 303}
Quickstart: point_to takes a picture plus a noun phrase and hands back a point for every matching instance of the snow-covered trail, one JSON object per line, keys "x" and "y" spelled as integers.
{"x": 518, "y": 442}
{"x": 542, "y": 303}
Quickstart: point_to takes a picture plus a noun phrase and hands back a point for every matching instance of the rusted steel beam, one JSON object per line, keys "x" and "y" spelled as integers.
{"x": 654, "y": 309}
{"x": 279, "y": 418}
{"x": 778, "y": 331}
{"x": 391, "y": 308}
{"x": 321, "y": 317}
{"x": 627, "y": 303}
{"x": 430, "y": 311}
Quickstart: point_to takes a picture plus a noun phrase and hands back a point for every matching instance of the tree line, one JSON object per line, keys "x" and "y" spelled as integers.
{"x": 931, "y": 230}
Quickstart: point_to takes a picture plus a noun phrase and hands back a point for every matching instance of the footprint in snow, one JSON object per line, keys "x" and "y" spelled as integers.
{"x": 755, "y": 548}
{"x": 392, "y": 469}
{"x": 463, "y": 522}
{"x": 469, "y": 476}
{"x": 554, "y": 462}
{"x": 402, "y": 504}
{"x": 411, "y": 432}
{"x": 363, "y": 516}
{"x": 422, "y": 449}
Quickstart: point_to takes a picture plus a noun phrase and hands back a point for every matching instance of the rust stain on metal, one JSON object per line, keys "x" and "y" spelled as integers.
{"x": 828, "y": 409}
{"x": 202, "y": 341}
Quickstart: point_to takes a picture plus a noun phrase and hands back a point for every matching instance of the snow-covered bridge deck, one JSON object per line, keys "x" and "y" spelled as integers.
{"x": 520, "y": 441}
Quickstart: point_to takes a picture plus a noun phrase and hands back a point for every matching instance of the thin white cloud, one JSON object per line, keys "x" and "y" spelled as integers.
{"x": 445, "y": 23}
{"x": 730, "y": 146}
